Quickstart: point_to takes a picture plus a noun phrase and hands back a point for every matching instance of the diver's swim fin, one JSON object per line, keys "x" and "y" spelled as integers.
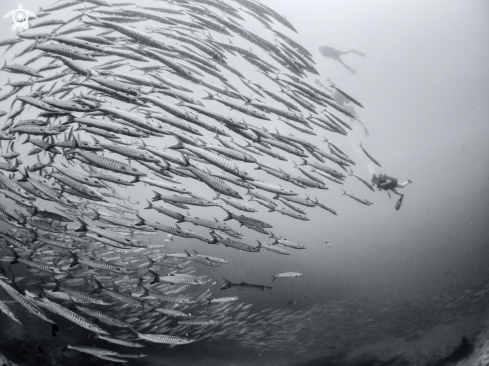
{"x": 398, "y": 204}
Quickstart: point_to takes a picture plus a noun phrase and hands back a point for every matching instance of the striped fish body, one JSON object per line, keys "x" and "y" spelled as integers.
{"x": 176, "y": 122}
{"x": 325, "y": 169}
{"x": 11, "y": 240}
{"x": 232, "y": 179}
{"x": 57, "y": 243}
{"x": 243, "y": 108}
{"x": 125, "y": 298}
{"x": 275, "y": 249}
{"x": 182, "y": 280}
{"x": 236, "y": 244}
{"x": 206, "y": 223}
{"x": 76, "y": 185}
{"x": 243, "y": 286}
{"x": 247, "y": 220}
{"x": 6, "y": 310}
{"x": 165, "y": 339}
{"x": 82, "y": 296}
{"x": 170, "y": 229}
{"x": 44, "y": 225}
{"x": 39, "y": 265}
{"x": 114, "y": 236}
{"x": 82, "y": 178}
{"x": 204, "y": 261}
{"x": 25, "y": 302}
{"x": 164, "y": 185}
{"x": 301, "y": 201}
{"x": 289, "y": 213}
{"x": 71, "y": 316}
{"x": 37, "y": 130}
{"x": 283, "y": 146}
{"x": 130, "y": 152}
{"x": 105, "y": 266}
{"x": 74, "y": 53}
{"x": 121, "y": 342}
{"x": 239, "y": 205}
{"x": 213, "y": 158}
{"x": 93, "y": 351}
{"x": 197, "y": 321}
{"x": 174, "y": 299}
{"x": 215, "y": 183}
{"x": 110, "y": 178}
{"x": 165, "y": 211}
{"x": 170, "y": 82}
{"x": 110, "y": 164}
{"x": 296, "y": 209}
{"x": 289, "y": 243}
{"x": 273, "y": 188}
{"x": 103, "y": 317}
{"x": 232, "y": 153}
{"x": 172, "y": 313}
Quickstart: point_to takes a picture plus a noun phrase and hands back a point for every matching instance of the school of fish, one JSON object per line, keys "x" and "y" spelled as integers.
{"x": 92, "y": 252}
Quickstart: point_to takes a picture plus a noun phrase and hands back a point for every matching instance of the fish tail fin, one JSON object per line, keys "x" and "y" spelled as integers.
{"x": 344, "y": 192}
{"x": 83, "y": 226}
{"x": 58, "y": 285}
{"x": 229, "y": 216}
{"x": 33, "y": 211}
{"x": 65, "y": 348}
{"x": 97, "y": 215}
{"x": 75, "y": 259}
{"x": 135, "y": 180}
{"x": 16, "y": 256}
{"x": 157, "y": 196}
{"x": 178, "y": 145}
{"x": 259, "y": 244}
{"x": 156, "y": 277}
{"x": 141, "y": 221}
{"x": 209, "y": 96}
{"x": 274, "y": 277}
{"x": 150, "y": 205}
{"x": 34, "y": 235}
{"x": 304, "y": 162}
{"x": 227, "y": 284}
{"x": 99, "y": 285}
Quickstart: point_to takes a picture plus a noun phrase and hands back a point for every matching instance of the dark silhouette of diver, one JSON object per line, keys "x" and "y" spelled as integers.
{"x": 384, "y": 182}
{"x": 335, "y": 54}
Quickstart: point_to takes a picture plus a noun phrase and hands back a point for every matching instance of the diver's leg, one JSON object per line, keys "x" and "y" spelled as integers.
{"x": 402, "y": 185}
{"x": 361, "y": 54}
{"x": 396, "y": 192}
{"x": 348, "y": 67}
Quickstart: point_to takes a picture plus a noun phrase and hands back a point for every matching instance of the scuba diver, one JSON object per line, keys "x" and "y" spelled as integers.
{"x": 334, "y": 54}
{"x": 384, "y": 182}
